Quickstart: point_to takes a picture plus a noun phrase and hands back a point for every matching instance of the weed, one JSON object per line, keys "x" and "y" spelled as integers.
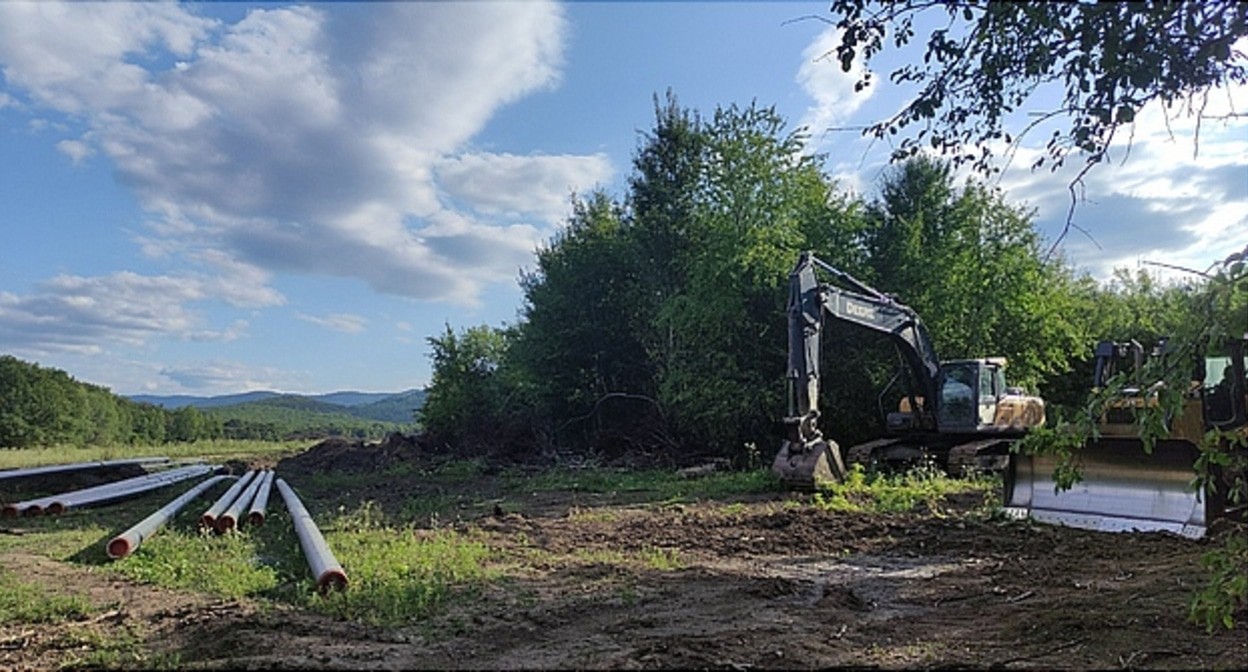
{"x": 400, "y": 576}
{"x": 22, "y": 602}
{"x": 227, "y": 565}
{"x": 895, "y": 493}
{"x": 663, "y": 559}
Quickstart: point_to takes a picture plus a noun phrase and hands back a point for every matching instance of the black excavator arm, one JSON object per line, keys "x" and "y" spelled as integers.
{"x": 809, "y": 303}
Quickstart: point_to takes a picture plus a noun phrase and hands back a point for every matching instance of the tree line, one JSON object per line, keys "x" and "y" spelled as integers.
{"x": 44, "y": 406}
{"x": 655, "y": 322}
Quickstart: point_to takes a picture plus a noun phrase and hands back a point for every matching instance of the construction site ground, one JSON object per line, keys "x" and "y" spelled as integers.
{"x": 768, "y": 580}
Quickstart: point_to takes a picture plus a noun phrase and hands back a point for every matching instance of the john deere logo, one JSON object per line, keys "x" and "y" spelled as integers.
{"x": 859, "y": 310}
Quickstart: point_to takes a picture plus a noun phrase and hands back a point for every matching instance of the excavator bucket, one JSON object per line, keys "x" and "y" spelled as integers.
{"x": 803, "y": 467}
{"x": 1123, "y": 489}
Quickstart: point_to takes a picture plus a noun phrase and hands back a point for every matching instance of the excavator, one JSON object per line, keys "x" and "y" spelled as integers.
{"x": 962, "y": 415}
{"x": 1123, "y": 488}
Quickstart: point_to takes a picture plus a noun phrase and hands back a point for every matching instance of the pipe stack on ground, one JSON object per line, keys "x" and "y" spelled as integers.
{"x": 329, "y": 574}
{"x": 255, "y": 517}
{"x": 125, "y": 543}
{"x": 76, "y": 466}
{"x": 102, "y": 494}
{"x": 209, "y": 517}
{"x": 229, "y": 520}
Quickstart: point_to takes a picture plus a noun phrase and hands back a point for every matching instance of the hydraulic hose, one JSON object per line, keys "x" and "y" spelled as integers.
{"x": 125, "y": 543}
{"x": 329, "y": 574}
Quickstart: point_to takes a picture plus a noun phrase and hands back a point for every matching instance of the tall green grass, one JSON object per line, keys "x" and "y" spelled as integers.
{"x": 898, "y": 493}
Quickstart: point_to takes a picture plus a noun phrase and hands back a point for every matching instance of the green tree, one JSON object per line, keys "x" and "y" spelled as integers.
{"x": 466, "y": 389}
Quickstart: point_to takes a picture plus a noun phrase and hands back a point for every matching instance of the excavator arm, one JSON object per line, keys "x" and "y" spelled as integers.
{"x": 806, "y": 456}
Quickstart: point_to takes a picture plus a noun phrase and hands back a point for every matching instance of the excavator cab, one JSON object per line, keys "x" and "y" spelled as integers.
{"x": 1124, "y": 488}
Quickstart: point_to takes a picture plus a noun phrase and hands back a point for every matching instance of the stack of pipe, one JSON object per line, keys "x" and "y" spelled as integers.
{"x": 209, "y": 517}
{"x": 329, "y": 574}
{"x": 230, "y": 519}
{"x": 76, "y": 466}
{"x": 255, "y": 517}
{"x": 103, "y": 494}
{"x": 125, "y": 543}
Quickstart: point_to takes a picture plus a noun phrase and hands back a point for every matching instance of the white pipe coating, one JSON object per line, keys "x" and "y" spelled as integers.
{"x": 117, "y": 489}
{"x": 229, "y": 519}
{"x": 76, "y": 466}
{"x": 209, "y": 517}
{"x": 125, "y": 543}
{"x": 328, "y": 573}
{"x": 255, "y": 516}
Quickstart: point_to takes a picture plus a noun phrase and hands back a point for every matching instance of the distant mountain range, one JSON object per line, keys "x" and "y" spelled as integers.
{"x": 381, "y": 406}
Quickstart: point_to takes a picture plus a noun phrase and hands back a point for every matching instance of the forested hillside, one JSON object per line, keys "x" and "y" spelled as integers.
{"x": 41, "y": 406}
{"x": 656, "y": 321}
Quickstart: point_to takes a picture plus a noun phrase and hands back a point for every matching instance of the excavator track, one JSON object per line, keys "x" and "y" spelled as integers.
{"x": 868, "y": 454}
{"x": 977, "y": 457}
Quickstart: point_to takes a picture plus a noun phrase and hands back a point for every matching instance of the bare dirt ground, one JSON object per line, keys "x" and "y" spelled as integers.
{"x": 768, "y": 583}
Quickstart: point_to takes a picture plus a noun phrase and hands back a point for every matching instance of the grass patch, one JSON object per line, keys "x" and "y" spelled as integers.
{"x": 898, "y": 493}
{"x": 401, "y": 576}
{"x": 209, "y": 450}
{"x": 227, "y": 565}
{"x": 22, "y": 602}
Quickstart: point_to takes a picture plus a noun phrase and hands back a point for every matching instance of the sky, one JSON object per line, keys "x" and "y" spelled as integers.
{"x": 209, "y": 198}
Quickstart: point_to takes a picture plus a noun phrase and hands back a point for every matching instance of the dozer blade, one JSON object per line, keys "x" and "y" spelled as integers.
{"x": 1123, "y": 489}
{"x": 803, "y": 467}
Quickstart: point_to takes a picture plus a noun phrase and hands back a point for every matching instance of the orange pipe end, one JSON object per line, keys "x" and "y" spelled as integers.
{"x": 119, "y": 547}
{"x": 224, "y": 524}
{"x": 33, "y": 510}
{"x": 255, "y": 519}
{"x": 56, "y": 508}
{"x": 207, "y": 521}
{"x": 9, "y": 511}
{"x": 331, "y": 579}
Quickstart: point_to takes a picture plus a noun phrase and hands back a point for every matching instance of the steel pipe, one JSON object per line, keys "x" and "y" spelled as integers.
{"x": 125, "y": 543}
{"x": 76, "y": 466}
{"x": 209, "y": 517}
{"x": 255, "y": 517}
{"x": 229, "y": 520}
{"x": 103, "y": 493}
{"x": 110, "y": 493}
{"x": 329, "y": 574}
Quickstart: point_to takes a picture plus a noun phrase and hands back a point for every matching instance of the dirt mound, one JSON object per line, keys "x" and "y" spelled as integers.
{"x": 337, "y": 454}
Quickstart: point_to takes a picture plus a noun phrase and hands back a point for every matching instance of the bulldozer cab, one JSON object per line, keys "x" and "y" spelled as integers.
{"x": 1224, "y": 390}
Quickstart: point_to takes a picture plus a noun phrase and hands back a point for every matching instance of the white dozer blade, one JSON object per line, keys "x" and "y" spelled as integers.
{"x": 1123, "y": 489}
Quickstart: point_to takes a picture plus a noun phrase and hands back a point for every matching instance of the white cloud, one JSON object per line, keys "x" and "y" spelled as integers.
{"x": 72, "y": 313}
{"x": 831, "y": 88}
{"x": 1171, "y": 199}
{"x": 532, "y": 185}
{"x": 344, "y": 322}
{"x": 310, "y": 139}
{"x": 220, "y": 376}
{"x": 76, "y": 150}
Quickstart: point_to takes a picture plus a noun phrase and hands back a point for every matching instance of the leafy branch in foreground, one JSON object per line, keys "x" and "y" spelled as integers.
{"x": 1108, "y": 60}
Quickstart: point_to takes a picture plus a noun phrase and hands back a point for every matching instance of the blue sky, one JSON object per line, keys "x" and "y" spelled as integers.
{"x": 208, "y": 198}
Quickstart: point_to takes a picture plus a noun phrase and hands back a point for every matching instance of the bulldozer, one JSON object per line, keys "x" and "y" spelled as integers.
{"x": 1123, "y": 487}
{"x": 962, "y": 415}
